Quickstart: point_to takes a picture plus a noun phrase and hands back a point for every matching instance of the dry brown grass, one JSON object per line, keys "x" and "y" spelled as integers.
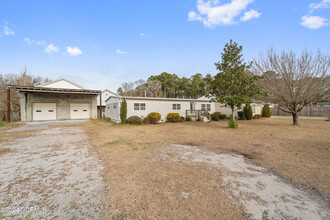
{"x": 142, "y": 187}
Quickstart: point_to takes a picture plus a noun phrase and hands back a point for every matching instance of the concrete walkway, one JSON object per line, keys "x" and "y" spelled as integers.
{"x": 38, "y": 125}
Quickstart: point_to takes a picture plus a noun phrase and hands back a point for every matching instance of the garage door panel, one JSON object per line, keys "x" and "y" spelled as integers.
{"x": 44, "y": 111}
{"x": 79, "y": 111}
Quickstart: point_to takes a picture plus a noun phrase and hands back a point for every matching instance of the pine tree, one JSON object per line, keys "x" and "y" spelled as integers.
{"x": 234, "y": 84}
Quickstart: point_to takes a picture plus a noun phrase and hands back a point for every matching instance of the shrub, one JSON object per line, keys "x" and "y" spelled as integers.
{"x": 146, "y": 120}
{"x": 173, "y": 117}
{"x": 257, "y": 116}
{"x": 232, "y": 124}
{"x": 217, "y": 113}
{"x": 215, "y": 118}
{"x": 135, "y": 120}
{"x": 123, "y": 111}
{"x": 241, "y": 115}
{"x": 107, "y": 119}
{"x": 266, "y": 112}
{"x": 154, "y": 117}
{"x": 222, "y": 117}
{"x": 188, "y": 118}
{"x": 181, "y": 118}
{"x": 248, "y": 112}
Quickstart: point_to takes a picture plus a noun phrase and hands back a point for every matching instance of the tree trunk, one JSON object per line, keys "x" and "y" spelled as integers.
{"x": 232, "y": 113}
{"x": 295, "y": 118}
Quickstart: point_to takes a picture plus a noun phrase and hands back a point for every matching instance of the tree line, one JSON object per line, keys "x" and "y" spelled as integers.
{"x": 168, "y": 85}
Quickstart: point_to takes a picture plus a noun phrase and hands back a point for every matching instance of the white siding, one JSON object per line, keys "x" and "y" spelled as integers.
{"x": 113, "y": 113}
{"x": 161, "y": 106}
{"x": 62, "y": 84}
{"x": 105, "y": 95}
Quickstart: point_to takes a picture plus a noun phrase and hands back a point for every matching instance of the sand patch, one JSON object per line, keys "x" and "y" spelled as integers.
{"x": 263, "y": 194}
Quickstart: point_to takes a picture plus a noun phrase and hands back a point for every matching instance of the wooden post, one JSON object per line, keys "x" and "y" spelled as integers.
{"x": 100, "y": 105}
{"x": 8, "y": 105}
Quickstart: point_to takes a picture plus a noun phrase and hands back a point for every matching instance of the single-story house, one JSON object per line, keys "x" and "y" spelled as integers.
{"x": 219, "y": 107}
{"x": 104, "y": 96}
{"x": 142, "y": 106}
{"x": 57, "y": 100}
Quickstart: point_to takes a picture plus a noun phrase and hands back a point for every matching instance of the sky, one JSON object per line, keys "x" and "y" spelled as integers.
{"x": 100, "y": 44}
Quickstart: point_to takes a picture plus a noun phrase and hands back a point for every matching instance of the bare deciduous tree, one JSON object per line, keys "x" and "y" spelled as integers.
{"x": 294, "y": 81}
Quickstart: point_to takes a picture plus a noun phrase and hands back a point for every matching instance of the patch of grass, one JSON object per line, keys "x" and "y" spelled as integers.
{"x": 2, "y": 124}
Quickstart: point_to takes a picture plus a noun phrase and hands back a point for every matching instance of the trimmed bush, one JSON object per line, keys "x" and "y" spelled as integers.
{"x": 232, "y": 124}
{"x": 188, "y": 118}
{"x": 146, "y": 120}
{"x": 266, "y": 112}
{"x": 241, "y": 115}
{"x": 181, "y": 118}
{"x": 215, "y": 117}
{"x": 123, "y": 111}
{"x": 222, "y": 117}
{"x": 173, "y": 117}
{"x": 248, "y": 112}
{"x": 154, "y": 117}
{"x": 217, "y": 113}
{"x": 257, "y": 116}
{"x": 134, "y": 120}
{"x": 107, "y": 119}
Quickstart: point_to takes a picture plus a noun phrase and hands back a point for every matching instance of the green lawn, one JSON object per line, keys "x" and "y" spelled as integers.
{"x": 2, "y": 124}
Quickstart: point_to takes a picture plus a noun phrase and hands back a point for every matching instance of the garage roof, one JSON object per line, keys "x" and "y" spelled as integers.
{"x": 33, "y": 89}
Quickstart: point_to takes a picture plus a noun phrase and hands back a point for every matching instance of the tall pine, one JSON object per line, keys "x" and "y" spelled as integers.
{"x": 234, "y": 85}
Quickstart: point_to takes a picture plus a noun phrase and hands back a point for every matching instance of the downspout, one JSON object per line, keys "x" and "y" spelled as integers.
{"x": 100, "y": 105}
{"x": 8, "y": 105}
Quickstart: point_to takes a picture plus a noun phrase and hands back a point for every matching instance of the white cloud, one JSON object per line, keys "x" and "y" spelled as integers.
{"x": 28, "y": 41}
{"x": 212, "y": 13}
{"x": 31, "y": 42}
{"x": 144, "y": 35}
{"x": 248, "y": 15}
{"x": 120, "y": 52}
{"x": 313, "y": 22}
{"x": 43, "y": 43}
{"x": 322, "y": 4}
{"x": 6, "y": 30}
{"x": 51, "y": 49}
{"x": 73, "y": 51}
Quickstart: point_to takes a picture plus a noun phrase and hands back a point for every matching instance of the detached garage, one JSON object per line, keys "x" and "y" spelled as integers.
{"x": 57, "y": 100}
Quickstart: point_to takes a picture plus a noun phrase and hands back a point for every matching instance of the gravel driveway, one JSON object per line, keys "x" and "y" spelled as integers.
{"x": 52, "y": 173}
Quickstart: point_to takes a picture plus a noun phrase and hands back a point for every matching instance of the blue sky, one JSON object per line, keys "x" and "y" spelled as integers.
{"x": 100, "y": 44}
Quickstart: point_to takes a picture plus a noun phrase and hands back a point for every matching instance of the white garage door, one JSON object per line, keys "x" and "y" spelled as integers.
{"x": 79, "y": 111}
{"x": 44, "y": 111}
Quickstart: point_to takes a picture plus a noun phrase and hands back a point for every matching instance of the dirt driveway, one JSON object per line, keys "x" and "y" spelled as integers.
{"x": 50, "y": 173}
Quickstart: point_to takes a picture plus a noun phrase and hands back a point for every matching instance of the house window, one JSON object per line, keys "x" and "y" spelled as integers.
{"x": 206, "y": 107}
{"x": 139, "y": 106}
{"x": 176, "y": 106}
{"x": 114, "y": 105}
